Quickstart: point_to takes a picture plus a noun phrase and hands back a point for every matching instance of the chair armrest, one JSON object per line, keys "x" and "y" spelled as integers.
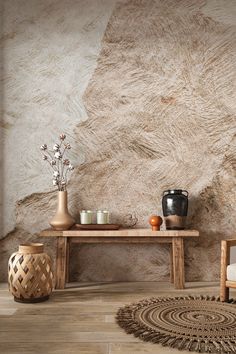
{"x": 225, "y": 253}
{"x": 225, "y": 260}
{"x": 230, "y": 242}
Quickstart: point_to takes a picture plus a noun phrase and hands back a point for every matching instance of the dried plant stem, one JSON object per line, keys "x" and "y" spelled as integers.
{"x": 56, "y": 160}
{"x": 53, "y": 167}
{"x": 49, "y": 154}
{"x": 66, "y": 175}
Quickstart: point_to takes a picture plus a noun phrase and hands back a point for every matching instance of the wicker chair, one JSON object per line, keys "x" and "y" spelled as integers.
{"x": 228, "y": 271}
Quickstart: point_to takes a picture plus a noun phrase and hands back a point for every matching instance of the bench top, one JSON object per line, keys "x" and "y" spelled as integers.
{"x": 132, "y": 232}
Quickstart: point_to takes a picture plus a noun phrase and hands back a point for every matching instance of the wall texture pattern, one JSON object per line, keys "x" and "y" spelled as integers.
{"x": 161, "y": 113}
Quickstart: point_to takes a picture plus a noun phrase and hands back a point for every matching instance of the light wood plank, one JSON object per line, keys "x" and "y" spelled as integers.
{"x": 120, "y": 233}
{"x": 53, "y": 336}
{"x": 68, "y": 260}
{"x": 231, "y": 242}
{"x": 6, "y": 311}
{"x": 225, "y": 258}
{"x": 178, "y": 262}
{"x": 59, "y": 327}
{"x": 142, "y": 348}
{"x": 61, "y": 262}
{"x": 38, "y": 318}
{"x": 56, "y": 348}
{"x": 230, "y": 284}
{"x": 119, "y": 240}
{"x": 171, "y": 265}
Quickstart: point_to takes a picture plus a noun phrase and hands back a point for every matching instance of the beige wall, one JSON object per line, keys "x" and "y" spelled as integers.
{"x": 50, "y": 50}
{"x": 159, "y": 96}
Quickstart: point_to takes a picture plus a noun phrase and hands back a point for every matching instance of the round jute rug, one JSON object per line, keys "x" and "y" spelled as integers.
{"x": 196, "y": 323}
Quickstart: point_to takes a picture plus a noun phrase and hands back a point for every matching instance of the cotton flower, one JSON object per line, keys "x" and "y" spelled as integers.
{"x": 62, "y": 136}
{"x": 57, "y": 155}
{"x": 66, "y": 162}
{"x": 60, "y": 164}
{"x": 70, "y": 167}
{"x": 56, "y": 147}
{"x": 54, "y": 182}
{"x": 43, "y": 147}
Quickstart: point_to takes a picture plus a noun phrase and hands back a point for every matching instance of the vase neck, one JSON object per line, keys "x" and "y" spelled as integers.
{"x": 62, "y": 201}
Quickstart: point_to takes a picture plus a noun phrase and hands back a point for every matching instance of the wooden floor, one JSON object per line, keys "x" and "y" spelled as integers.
{"x": 81, "y": 319}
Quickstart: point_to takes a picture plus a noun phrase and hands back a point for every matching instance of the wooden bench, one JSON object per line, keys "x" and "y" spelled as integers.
{"x": 137, "y": 236}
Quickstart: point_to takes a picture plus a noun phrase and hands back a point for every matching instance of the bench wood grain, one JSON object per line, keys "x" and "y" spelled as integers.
{"x": 175, "y": 238}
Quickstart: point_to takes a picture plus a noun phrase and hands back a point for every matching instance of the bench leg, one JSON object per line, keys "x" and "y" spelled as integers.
{"x": 178, "y": 262}
{"x": 68, "y": 260}
{"x": 171, "y": 264}
{"x": 61, "y": 263}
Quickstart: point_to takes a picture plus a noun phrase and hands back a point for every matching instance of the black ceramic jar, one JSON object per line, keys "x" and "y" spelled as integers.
{"x": 175, "y": 208}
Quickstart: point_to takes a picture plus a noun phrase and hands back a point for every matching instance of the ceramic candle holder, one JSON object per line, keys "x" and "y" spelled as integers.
{"x": 86, "y": 217}
{"x": 102, "y": 217}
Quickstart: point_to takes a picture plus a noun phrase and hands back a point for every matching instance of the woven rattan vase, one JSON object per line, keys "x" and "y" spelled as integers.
{"x": 30, "y": 275}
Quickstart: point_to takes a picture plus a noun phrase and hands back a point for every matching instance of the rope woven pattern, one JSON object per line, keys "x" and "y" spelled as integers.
{"x": 30, "y": 275}
{"x": 195, "y": 323}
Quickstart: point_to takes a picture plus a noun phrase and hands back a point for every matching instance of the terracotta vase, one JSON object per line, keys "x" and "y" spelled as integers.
{"x": 30, "y": 276}
{"x": 62, "y": 219}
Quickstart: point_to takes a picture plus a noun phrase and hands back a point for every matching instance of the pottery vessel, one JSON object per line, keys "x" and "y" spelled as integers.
{"x": 62, "y": 219}
{"x": 175, "y": 208}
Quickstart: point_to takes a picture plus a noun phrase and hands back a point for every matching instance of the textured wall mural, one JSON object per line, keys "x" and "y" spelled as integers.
{"x": 160, "y": 113}
{"x": 50, "y": 48}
